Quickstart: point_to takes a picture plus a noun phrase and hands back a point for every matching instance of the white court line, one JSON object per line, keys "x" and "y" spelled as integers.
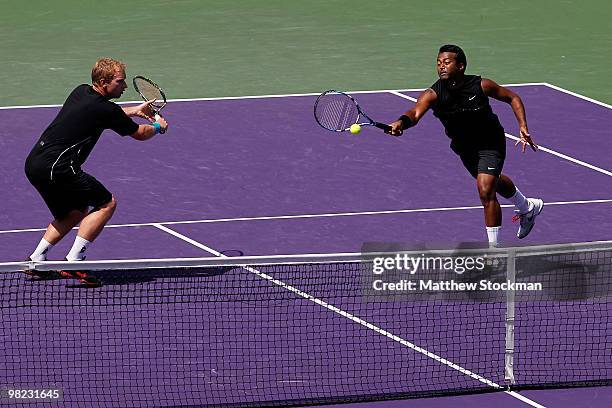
{"x": 546, "y": 84}
{"x": 393, "y": 91}
{"x": 544, "y": 149}
{"x": 28, "y": 107}
{"x": 229, "y": 98}
{"x": 223, "y": 98}
{"x": 524, "y": 399}
{"x": 401, "y": 95}
{"x": 566, "y": 157}
{"x": 577, "y": 95}
{"x": 189, "y": 240}
{"x": 356, "y": 319}
{"x": 322, "y": 215}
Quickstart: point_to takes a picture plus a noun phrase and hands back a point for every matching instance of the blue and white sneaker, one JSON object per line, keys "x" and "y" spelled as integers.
{"x": 528, "y": 219}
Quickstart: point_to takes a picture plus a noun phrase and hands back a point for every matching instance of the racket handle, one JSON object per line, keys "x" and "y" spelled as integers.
{"x": 157, "y": 117}
{"x": 383, "y": 126}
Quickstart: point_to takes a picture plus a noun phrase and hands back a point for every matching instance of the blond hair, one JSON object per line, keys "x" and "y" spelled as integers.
{"x": 104, "y": 69}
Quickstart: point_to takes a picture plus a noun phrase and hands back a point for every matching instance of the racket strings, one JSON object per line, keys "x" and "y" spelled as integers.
{"x": 336, "y": 112}
{"x": 150, "y": 92}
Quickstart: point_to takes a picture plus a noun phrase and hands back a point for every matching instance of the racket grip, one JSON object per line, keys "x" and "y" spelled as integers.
{"x": 383, "y": 126}
{"x": 157, "y": 117}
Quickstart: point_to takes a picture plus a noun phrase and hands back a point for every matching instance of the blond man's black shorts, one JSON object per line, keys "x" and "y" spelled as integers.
{"x": 68, "y": 192}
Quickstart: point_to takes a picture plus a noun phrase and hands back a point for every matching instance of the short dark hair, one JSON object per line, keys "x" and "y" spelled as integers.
{"x": 457, "y": 50}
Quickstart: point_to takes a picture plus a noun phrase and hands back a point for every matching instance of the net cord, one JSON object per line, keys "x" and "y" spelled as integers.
{"x": 213, "y": 261}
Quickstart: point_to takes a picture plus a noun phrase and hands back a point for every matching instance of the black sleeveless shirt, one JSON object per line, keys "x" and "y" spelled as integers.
{"x": 466, "y": 115}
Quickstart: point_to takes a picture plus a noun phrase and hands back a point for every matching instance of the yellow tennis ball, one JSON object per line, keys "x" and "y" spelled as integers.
{"x": 355, "y": 129}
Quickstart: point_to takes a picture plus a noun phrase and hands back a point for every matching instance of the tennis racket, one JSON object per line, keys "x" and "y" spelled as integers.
{"x": 149, "y": 90}
{"x": 337, "y": 111}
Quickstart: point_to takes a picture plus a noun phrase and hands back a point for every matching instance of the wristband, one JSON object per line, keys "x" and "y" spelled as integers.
{"x": 157, "y": 127}
{"x": 406, "y": 122}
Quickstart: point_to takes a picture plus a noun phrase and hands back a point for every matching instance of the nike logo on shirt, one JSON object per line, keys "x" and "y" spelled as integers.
{"x": 473, "y": 96}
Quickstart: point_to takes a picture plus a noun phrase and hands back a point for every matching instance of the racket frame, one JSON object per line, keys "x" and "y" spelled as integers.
{"x": 360, "y": 113}
{"x": 155, "y": 106}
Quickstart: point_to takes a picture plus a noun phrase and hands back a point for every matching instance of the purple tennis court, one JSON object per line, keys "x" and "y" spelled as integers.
{"x": 259, "y": 176}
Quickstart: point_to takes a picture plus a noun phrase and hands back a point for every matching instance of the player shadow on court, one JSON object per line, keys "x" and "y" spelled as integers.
{"x": 566, "y": 280}
{"x": 564, "y": 277}
{"x": 148, "y": 275}
{"x": 173, "y": 275}
{"x": 138, "y": 276}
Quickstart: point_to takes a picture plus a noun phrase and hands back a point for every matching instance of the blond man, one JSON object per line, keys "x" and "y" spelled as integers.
{"x": 54, "y": 164}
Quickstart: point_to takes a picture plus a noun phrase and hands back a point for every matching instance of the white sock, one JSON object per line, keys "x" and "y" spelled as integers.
{"x": 520, "y": 202}
{"x": 493, "y": 235}
{"x": 40, "y": 253}
{"x": 77, "y": 253}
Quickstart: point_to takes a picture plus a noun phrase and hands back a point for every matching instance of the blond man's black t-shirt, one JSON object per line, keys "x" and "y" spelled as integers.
{"x": 54, "y": 163}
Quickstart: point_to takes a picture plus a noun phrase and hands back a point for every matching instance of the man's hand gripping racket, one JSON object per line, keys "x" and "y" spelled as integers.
{"x": 152, "y": 93}
{"x": 337, "y": 111}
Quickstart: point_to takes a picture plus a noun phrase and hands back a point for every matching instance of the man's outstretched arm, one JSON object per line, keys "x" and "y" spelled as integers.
{"x": 411, "y": 117}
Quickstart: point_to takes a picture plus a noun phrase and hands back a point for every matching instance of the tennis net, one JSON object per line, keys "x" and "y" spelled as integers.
{"x": 305, "y": 329}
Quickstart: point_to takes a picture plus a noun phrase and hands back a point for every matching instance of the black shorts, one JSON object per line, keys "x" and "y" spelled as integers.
{"x": 482, "y": 152}
{"x": 68, "y": 192}
{"x": 483, "y": 161}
